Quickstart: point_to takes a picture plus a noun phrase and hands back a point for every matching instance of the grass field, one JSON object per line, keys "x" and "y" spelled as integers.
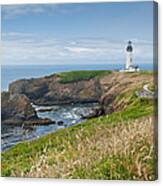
{"x": 74, "y": 76}
{"x": 115, "y": 146}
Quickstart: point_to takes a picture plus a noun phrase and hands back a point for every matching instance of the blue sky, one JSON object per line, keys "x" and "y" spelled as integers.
{"x": 76, "y": 33}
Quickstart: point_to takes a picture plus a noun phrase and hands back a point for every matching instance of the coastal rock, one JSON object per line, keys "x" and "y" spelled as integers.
{"x": 60, "y": 123}
{"x": 17, "y": 110}
{"x": 92, "y": 112}
{"x": 39, "y": 121}
{"x": 49, "y": 90}
{"x": 32, "y": 88}
{"x": 16, "y": 107}
{"x": 44, "y": 109}
{"x": 12, "y": 121}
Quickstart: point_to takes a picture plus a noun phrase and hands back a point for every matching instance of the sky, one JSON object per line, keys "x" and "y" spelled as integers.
{"x": 81, "y": 33}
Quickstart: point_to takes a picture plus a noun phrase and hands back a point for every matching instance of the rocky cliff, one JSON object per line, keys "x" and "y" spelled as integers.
{"x": 49, "y": 90}
{"x": 117, "y": 87}
{"x": 16, "y": 109}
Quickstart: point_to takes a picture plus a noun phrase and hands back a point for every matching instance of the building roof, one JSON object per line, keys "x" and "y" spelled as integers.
{"x": 129, "y": 47}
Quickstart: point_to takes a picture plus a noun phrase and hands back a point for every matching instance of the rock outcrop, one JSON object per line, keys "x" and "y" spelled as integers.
{"x": 49, "y": 90}
{"x": 17, "y": 106}
{"x": 17, "y": 110}
{"x": 117, "y": 84}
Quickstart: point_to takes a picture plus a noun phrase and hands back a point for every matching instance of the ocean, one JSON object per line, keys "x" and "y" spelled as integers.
{"x": 10, "y": 73}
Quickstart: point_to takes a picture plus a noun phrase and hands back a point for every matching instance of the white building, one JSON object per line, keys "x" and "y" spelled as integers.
{"x": 130, "y": 67}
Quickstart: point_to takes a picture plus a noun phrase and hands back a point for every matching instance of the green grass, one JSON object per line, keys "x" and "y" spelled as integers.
{"x": 147, "y": 72}
{"x": 153, "y": 88}
{"x": 74, "y": 76}
{"x": 79, "y": 144}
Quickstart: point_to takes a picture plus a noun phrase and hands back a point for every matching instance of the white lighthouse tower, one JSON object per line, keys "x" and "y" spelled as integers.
{"x": 130, "y": 67}
{"x": 129, "y": 50}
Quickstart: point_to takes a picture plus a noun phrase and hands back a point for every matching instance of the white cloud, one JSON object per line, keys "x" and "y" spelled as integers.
{"x": 79, "y": 50}
{"x": 26, "y": 48}
{"x": 12, "y": 11}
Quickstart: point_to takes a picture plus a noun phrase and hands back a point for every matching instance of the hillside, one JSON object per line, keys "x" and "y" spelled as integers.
{"x": 119, "y": 144}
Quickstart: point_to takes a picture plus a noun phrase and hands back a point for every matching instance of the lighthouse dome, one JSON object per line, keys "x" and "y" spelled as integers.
{"x": 129, "y": 47}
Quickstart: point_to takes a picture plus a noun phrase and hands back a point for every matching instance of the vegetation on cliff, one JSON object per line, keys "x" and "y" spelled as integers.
{"x": 74, "y": 76}
{"x": 62, "y": 88}
{"x": 116, "y": 146}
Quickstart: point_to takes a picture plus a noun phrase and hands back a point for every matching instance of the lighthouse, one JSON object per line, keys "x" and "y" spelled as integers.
{"x": 129, "y": 66}
{"x": 129, "y": 60}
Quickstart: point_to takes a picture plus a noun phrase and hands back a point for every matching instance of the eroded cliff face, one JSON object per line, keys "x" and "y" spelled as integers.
{"x": 118, "y": 84}
{"x": 16, "y": 107}
{"x": 49, "y": 90}
{"x": 106, "y": 90}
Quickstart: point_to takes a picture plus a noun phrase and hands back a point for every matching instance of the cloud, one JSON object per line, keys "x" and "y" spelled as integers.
{"x": 15, "y": 11}
{"x": 26, "y": 48}
{"x": 12, "y": 11}
{"x": 79, "y": 50}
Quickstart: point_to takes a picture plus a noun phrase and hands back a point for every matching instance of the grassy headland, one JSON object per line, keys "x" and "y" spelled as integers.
{"x": 74, "y": 76}
{"x": 115, "y": 146}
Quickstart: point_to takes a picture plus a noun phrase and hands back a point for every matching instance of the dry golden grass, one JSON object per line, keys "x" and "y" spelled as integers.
{"x": 116, "y": 146}
{"x": 122, "y": 151}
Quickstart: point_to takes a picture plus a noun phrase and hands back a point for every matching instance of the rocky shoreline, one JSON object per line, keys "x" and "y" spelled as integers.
{"x": 17, "y": 103}
{"x": 52, "y": 118}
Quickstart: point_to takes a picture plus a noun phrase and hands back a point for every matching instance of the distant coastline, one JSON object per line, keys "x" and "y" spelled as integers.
{"x": 10, "y": 73}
